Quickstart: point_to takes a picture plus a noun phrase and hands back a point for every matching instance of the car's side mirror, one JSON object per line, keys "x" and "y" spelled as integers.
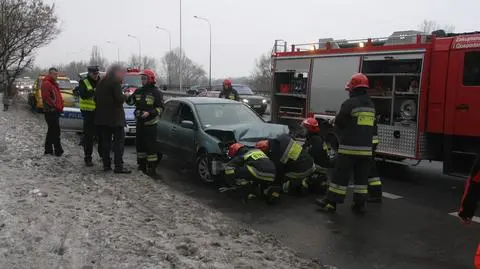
{"x": 188, "y": 124}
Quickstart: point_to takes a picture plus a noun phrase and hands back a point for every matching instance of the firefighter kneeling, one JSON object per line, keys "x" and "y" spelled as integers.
{"x": 148, "y": 103}
{"x": 294, "y": 165}
{"x": 251, "y": 171}
{"x": 317, "y": 148}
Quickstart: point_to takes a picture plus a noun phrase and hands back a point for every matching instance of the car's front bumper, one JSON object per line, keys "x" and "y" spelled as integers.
{"x": 130, "y": 130}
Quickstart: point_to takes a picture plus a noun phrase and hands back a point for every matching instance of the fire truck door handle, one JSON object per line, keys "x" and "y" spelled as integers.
{"x": 462, "y": 107}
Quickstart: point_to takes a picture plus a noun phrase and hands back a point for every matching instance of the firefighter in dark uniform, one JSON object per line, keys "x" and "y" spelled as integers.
{"x": 252, "y": 171}
{"x": 318, "y": 149}
{"x": 228, "y": 91}
{"x": 356, "y": 125}
{"x": 148, "y": 101}
{"x": 86, "y": 91}
{"x": 374, "y": 181}
{"x": 293, "y": 164}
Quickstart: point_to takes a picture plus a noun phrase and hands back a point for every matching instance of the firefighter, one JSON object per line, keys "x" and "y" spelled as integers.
{"x": 293, "y": 164}
{"x": 356, "y": 125}
{"x": 148, "y": 101}
{"x": 374, "y": 181}
{"x": 86, "y": 90}
{"x": 252, "y": 170}
{"x": 228, "y": 91}
{"x": 317, "y": 148}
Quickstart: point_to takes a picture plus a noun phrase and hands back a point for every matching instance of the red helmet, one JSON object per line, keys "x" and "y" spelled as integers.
{"x": 358, "y": 80}
{"x": 150, "y": 75}
{"x": 263, "y": 145}
{"x": 311, "y": 124}
{"x": 233, "y": 149}
{"x": 227, "y": 82}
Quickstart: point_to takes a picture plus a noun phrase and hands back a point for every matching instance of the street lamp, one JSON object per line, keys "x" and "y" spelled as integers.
{"x": 210, "y": 64}
{"x": 139, "y": 49}
{"x": 170, "y": 41}
{"x": 181, "y": 49}
{"x": 118, "y": 50}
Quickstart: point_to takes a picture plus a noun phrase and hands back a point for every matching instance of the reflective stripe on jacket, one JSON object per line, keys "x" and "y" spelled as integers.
{"x": 87, "y": 104}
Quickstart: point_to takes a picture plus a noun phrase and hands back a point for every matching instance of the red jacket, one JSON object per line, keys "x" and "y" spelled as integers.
{"x": 51, "y": 96}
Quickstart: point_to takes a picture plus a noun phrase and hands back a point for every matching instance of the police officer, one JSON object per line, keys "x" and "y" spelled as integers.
{"x": 356, "y": 125}
{"x": 148, "y": 101}
{"x": 228, "y": 91}
{"x": 293, "y": 164}
{"x": 317, "y": 148}
{"x": 374, "y": 181}
{"x": 86, "y": 90}
{"x": 252, "y": 170}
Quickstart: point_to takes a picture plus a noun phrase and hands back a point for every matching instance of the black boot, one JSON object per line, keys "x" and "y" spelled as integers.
{"x": 152, "y": 169}
{"x": 121, "y": 170}
{"x": 88, "y": 162}
{"x": 326, "y": 205}
{"x": 359, "y": 208}
{"x": 142, "y": 166}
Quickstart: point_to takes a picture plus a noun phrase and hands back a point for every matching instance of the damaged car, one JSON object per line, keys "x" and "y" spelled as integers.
{"x": 199, "y": 130}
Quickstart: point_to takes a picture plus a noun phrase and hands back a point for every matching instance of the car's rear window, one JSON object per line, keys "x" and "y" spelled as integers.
{"x": 225, "y": 114}
{"x": 133, "y": 80}
{"x": 64, "y": 84}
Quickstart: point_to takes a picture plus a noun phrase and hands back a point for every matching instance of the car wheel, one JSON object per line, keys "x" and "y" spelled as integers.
{"x": 203, "y": 169}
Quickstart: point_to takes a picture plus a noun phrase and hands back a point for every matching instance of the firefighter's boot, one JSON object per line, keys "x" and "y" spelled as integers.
{"x": 142, "y": 166}
{"x": 359, "y": 208}
{"x": 326, "y": 205}
{"x": 152, "y": 169}
{"x": 272, "y": 194}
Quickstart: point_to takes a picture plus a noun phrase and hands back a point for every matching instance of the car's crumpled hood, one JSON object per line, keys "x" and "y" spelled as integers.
{"x": 250, "y": 134}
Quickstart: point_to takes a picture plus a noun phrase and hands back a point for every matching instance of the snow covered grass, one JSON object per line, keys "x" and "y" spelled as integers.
{"x": 55, "y": 213}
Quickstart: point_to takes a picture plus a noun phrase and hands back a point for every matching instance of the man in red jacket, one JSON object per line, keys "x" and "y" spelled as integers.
{"x": 52, "y": 106}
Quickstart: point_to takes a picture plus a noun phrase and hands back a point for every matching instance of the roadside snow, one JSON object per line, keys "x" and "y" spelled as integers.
{"x": 55, "y": 213}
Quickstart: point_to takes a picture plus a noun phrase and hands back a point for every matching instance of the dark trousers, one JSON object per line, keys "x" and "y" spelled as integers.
{"x": 52, "y": 141}
{"x": 374, "y": 181}
{"x": 90, "y": 132}
{"x": 118, "y": 134}
{"x": 146, "y": 143}
{"x": 345, "y": 167}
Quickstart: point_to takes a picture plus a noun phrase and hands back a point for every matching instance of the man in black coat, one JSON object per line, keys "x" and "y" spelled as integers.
{"x": 110, "y": 118}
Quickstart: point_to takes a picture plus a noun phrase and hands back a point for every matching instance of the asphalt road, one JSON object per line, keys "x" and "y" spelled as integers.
{"x": 411, "y": 229}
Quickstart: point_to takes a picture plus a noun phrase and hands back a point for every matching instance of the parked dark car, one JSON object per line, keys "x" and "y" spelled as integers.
{"x": 247, "y": 96}
{"x": 198, "y": 131}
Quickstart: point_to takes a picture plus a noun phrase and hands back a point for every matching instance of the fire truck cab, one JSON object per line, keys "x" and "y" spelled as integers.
{"x": 426, "y": 91}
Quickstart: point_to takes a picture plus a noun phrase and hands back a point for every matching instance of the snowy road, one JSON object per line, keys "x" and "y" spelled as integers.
{"x": 55, "y": 213}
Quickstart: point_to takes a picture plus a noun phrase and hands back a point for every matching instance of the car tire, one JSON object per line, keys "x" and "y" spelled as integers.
{"x": 203, "y": 170}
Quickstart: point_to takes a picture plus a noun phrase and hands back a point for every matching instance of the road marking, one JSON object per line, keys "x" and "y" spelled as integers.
{"x": 391, "y": 196}
{"x": 474, "y": 219}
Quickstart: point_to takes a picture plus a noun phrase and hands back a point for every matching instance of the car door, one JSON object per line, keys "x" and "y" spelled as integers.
{"x": 185, "y": 137}
{"x": 165, "y": 128}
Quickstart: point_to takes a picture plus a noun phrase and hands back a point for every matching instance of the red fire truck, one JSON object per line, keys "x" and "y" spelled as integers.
{"x": 426, "y": 90}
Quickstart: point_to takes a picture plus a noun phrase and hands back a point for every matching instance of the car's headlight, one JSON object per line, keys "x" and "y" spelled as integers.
{"x": 264, "y": 101}
{"x": 245, "y": 101}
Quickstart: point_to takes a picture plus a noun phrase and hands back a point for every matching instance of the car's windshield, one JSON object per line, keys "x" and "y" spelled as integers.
{"x": 225, "y": 114}
{"x": 133, "y": 80}
{"x": 64, "y": 84}
{"x": 245, "y": 90}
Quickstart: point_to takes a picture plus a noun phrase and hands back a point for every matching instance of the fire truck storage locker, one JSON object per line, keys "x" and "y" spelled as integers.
{"x": 291, "y": 83}
{"x": 329, "y": 76}
{"x": 395, "y": 90}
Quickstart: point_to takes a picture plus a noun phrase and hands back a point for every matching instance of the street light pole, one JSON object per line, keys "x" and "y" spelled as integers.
{"x": 118, "y": 50}
{"x": 181, "y": 49}
{"x": 170, "y": 42}
{"x": 210, "y": 60}
{"x": 139, "y": 49}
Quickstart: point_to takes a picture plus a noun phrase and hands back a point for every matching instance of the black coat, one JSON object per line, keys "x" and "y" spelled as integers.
{"x": 109, "y": 101}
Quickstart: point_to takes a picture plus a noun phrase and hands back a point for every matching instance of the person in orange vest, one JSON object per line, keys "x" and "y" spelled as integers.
{"x": 469, "y": 201}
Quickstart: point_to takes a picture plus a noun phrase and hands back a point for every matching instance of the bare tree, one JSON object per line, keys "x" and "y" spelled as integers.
{"x": 192, "y": 73}
{"x": 428, "y": 26}
{"x": 148, "y": 62}
{"x": 25, "y": 26}
{"x": 96, "y": 58}
{"x": 261, "y": 78}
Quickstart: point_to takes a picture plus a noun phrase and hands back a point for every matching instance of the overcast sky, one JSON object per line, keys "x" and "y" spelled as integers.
{"x": 242, "y": 29}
